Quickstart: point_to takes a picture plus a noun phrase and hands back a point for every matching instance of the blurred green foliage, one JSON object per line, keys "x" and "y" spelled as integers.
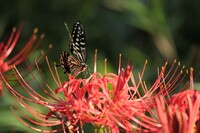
{"x": 155, "y": 30}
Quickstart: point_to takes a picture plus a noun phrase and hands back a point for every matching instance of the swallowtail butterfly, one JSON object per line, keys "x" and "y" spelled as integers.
{"x": 76, "y": 61}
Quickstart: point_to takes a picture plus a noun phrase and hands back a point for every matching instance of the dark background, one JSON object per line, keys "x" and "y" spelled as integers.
{"x": 156, "y": 30}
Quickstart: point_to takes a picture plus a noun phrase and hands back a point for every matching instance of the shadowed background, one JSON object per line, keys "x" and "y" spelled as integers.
{"x": 138, "y": 29}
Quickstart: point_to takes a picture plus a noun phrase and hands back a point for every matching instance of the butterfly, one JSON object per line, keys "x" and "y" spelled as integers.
{"x": 76, "y": 61}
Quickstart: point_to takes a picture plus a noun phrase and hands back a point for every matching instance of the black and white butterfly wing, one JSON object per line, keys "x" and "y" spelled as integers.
{"x": 70, "y": 64}
{"x": 77, "y": 44}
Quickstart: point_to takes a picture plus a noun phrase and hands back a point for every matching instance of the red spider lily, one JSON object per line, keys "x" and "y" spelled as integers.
{"x": 110, "y": 102}
{"x": 6, "y": 49}
{"x": 182, "y": 113}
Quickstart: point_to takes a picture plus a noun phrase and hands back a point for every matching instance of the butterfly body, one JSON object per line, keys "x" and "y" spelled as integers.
{"x": 76, "y": 61}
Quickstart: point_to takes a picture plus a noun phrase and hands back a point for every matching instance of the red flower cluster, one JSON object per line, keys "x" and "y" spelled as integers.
{"x": 110, "y": 102}
{"x": 182, "y": 113}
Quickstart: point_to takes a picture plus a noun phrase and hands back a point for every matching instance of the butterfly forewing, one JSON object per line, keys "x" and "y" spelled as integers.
{"x": 77, "y": 43}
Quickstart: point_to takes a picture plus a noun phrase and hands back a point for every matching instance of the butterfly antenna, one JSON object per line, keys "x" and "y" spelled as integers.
{"x": 67, "y": 29}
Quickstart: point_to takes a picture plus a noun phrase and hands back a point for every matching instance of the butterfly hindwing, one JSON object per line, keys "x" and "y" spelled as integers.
{"x": 64, "y": 62}
{"x": 73, "y": 63}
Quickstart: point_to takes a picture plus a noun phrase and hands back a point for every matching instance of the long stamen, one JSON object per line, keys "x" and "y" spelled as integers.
{"x": 43, "y": 54}
{"x": 12, "y": 42}
{"x": 119, "y": 63}
{"x": 105, "y": 65}
{"x": 44, "y": 90}
{"x": 35, "y": 122}
{"x": 95, "y": 61}
{"x": 23, "y": 53}
{"x": 50, "y": 70}
{"x": 191, "y": 79}
{"x": 11, "y": 36}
